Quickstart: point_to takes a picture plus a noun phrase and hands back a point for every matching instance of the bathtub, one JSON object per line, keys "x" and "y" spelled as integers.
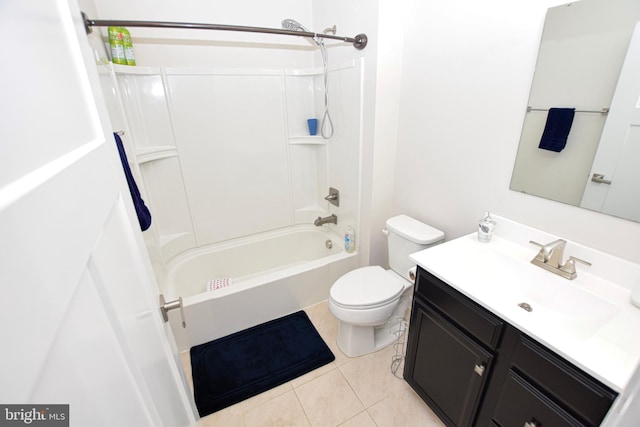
{"x": 273, "y": 274}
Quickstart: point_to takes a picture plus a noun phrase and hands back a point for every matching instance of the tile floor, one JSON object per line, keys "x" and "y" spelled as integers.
{"x": 349, "y": 392}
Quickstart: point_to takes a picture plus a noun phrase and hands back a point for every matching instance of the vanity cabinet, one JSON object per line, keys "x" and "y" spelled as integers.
{"x": 473, "y": 368}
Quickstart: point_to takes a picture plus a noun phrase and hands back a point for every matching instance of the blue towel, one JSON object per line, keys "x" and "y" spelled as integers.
{"x": 144, "y": 216}
{"x": 556, "y": 131}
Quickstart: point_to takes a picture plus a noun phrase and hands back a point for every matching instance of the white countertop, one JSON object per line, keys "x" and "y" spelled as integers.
{"x": 589, "y": 321}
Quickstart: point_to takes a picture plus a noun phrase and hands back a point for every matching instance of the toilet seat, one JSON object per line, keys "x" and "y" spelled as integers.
{"x": 366, "y": 288}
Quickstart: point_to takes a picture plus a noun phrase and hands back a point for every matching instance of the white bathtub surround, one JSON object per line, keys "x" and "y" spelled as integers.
{"x": 274, "y": 274}
{"x": 589, "y": 321}
{"x": 225, "y": 153}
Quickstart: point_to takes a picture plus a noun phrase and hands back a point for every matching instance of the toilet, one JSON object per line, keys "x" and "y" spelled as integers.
{"x": 370, "y": 302}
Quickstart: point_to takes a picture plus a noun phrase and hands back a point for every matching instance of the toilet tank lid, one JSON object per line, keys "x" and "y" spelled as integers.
{"x": 414, "y": 230}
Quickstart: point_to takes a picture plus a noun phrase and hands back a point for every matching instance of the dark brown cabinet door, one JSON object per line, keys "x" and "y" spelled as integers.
{"x": 445, "y": 366}
{"x": 521, "y": 404}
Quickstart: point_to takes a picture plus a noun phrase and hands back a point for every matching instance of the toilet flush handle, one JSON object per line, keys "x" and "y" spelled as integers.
{"x": 385, "y": 231}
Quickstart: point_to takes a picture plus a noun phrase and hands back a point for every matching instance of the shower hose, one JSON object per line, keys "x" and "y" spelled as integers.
{"x": 326, "y": 127}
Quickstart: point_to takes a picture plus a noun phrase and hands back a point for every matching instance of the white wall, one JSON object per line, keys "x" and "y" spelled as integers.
{"x": 466, "y": 73}
{"x": 391, "y": 19}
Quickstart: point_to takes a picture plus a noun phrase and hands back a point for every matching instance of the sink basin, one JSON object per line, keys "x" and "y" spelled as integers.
{"x": 539, "y": 299}
{"x": 578, "y": 313}
{"x": 589, "y": 321}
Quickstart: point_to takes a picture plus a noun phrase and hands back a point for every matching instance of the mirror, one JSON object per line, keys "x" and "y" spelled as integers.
{"x": 582, "y": 65}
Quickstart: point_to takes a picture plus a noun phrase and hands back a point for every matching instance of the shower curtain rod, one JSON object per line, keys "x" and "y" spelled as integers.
{"x": 359, "y": 41}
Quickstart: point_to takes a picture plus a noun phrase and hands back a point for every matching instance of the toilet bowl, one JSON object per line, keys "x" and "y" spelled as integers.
{"x": 366, "y": 296}
{"x": 370, "y": 302}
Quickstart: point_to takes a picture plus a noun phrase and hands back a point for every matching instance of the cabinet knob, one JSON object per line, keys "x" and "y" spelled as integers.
{"x": 531, "y": 424}
{"x": 479, "y": 369}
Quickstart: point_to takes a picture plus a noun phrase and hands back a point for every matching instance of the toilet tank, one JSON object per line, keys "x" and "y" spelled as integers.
{"x": 406, "y": 236}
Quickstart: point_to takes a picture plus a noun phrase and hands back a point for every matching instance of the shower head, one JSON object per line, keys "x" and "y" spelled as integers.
{"x": 293, "y": 25}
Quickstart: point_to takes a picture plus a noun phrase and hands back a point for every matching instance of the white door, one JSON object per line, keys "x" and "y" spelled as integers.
{"x": 618, "y": 154}
{"x": 80, "y": 321}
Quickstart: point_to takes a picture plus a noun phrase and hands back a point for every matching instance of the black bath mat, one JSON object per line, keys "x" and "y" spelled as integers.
{"x": 238, "y": 366}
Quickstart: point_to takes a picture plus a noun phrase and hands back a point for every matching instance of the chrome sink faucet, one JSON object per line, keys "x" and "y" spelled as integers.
{"x": 550, "y": 258}
{"x": 551, "y": 253}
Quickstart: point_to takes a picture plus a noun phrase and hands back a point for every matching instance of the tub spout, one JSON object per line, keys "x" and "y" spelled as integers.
{"x": 331, "y": 219}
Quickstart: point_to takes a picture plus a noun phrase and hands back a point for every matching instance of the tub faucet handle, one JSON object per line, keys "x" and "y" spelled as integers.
{"x": 333, "y": 197}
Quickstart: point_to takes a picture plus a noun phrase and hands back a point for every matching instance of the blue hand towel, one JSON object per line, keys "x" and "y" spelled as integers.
{"x": 556, "y": 131}
{"x": 144, "y": 216}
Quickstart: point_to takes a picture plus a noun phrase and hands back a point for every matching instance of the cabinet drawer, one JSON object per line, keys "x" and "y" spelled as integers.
{"x": 581, "y": 395}
{"x": 521, "y": 404}
{"x": 460, "y": 310}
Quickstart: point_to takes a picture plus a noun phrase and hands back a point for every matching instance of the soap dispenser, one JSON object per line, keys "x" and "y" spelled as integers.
{"x": 485, "y": 228}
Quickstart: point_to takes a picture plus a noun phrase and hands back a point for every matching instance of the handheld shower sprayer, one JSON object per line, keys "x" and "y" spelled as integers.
{"x": 293, "y": 25}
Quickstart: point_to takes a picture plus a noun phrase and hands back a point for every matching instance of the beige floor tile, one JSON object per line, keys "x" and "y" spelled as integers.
{"x": 327, "y": 326}
{"x": 228, "y": 417}
{"x": 363, "y": 419}
{"x": 332, "y": 343}
{"x": 371, "y": 378}
{"x": 283, "y": 411}
{"x": 328, "y": 400}
{"x": 404, "y": 409}
{"x": 297, "y": 382}
{"x": 321, "y": 317}
{"x": 262, "y": 398}
{"x": 185, "y": 358}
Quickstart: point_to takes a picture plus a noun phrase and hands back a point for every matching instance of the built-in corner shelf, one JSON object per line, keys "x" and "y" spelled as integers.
{"x": 134, "y": 69}
{"x": 307, "y": 140}
{"x": 144, "y": 155}
{"x": 316, "y": 71}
